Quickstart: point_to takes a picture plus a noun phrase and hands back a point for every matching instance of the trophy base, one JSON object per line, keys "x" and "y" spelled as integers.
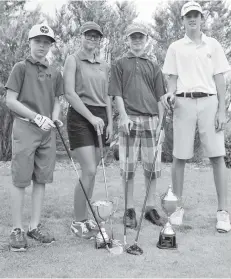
{"x": 99, "y": 245}
{"x": 167, "y": 242}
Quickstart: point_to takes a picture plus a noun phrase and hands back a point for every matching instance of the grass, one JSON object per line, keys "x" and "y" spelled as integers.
{"x": 202, "y": 252}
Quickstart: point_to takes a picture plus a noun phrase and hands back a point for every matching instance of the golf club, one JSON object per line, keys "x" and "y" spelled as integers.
{"x": 135, "y": 249}
{"x": 81, "y": 184}
{"x": 115, "y": 243}
{"x": 126, "y": 190}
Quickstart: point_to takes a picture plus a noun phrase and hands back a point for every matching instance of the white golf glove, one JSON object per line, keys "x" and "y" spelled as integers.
{"x": 43, "y": 122}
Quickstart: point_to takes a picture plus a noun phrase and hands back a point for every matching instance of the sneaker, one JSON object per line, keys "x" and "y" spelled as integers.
{"x": 176, "y": 217}
{"x": 40, "y": 236}
{"x": 223, "y": 221}
{"x": 130, "y": 218}
{"x": 153, "y": 216}
{"x": 18, "y": 242}
{"x": 92, "y": 225}
{"x": 80, "y": 229}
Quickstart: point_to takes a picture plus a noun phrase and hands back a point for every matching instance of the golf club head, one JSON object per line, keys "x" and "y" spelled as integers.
{"x": 134, "y": 250}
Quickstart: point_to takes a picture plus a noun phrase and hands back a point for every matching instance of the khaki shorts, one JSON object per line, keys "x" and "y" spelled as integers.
{"x": 33, "y": 154}
{"x": 188, "y": 113}
{"x": 142, "y": 135}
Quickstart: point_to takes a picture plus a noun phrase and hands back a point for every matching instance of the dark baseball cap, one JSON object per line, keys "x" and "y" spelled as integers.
{"x": 90, "y": 25}
{"x": 136, "y": 28}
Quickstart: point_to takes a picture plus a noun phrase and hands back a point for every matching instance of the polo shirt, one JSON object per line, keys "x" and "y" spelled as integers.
{"x": 37, "y": 84}
{"x": 139, "y": 81}
{"x": 195, "y": 65}
{"x": 91, "y": 80}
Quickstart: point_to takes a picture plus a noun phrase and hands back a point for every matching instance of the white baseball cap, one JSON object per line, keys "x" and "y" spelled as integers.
{"x": 191, "y": 6}
{"x": 41, "y": 30}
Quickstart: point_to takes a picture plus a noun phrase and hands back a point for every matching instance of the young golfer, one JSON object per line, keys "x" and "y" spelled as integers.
{"x": 196, "y": 65}
{"x": 137, "y": 84}
{"x": 86, "y": 89}
{"x": 33, "y": 90}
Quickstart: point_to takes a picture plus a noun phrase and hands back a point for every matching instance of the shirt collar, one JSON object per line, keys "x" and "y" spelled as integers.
{"x": 33, "y": 61}
{"x": 187, "y": 40}
{"x": 82, "y": 56}
{"x": 132, "y": 55}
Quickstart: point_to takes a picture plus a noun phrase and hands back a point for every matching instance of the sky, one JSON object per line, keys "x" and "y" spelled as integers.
{"x": 145, "y": 8}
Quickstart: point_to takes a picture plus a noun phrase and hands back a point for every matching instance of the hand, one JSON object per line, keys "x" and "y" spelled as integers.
{"x": 59, "y": 122}
{"x": 168, "y": 100}
{"x": 44, "y": 122}
{"x": 125, "y": 124}
{"x": 98, "y": 124}
{"x": 109, "y": 133}
{"x": 220, "y": 121}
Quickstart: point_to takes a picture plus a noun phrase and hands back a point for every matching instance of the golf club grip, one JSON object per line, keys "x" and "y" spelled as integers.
{"x": 100, "y": 145}
{"x": 62, "y": 139}
{"x": 127, "y": 145}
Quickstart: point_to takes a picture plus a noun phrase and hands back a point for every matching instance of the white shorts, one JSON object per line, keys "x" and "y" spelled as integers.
{"x": 188, "y": 113}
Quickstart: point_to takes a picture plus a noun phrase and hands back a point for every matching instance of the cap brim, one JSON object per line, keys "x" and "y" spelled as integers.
{"x": 93, "y": 30}
{"x": 197, "y": 10}
{"x": 133, "y": 32}
{"x": 52, "y": 39}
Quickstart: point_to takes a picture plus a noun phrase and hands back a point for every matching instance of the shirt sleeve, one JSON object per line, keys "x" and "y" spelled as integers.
{"x": 16, "y": 78}
{"x": 220, "y": 62}
{"x": 59, "y": 85}
{"x": 159, "y": 85}
{"x": 115, "y": 86}
{"x": 170, "y": 66}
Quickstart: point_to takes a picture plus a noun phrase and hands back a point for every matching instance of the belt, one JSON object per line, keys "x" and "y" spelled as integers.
{"x": 194, "y": 94}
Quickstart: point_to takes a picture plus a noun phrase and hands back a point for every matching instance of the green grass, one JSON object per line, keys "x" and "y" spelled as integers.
{"x": 202, "y": 252}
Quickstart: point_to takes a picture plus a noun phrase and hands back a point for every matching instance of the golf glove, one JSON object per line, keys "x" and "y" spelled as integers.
{"x": 43, "y": 122}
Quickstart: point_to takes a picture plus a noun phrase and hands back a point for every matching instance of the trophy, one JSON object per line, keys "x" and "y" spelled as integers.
{"x": 167, "y": 238}
{"x": 104, "y": 210}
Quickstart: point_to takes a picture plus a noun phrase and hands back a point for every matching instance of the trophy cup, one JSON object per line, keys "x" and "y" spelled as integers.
{"x": 167, "y": 238}
{"x": 104, "y": 210}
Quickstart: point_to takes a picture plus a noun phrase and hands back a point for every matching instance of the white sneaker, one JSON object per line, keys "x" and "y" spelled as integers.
{"x": 223, "y": 221}
{"x": 177, "y": 217}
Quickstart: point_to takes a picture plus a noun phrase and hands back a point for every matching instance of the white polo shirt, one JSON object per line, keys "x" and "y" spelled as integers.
{"x": 195, "y": 65}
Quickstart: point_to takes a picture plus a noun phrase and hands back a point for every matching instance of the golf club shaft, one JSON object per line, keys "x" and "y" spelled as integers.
{"x": 150, "y": 179}
{"x": 102, "y": 160}
{"x": 126, "y": 188}
{"x": 80, "y": 182}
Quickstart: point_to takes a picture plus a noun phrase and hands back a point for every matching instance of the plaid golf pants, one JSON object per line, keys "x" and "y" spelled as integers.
{"x": 142, "y": 135}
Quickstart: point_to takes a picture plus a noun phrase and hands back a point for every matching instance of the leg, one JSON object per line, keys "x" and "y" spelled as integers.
{"x": 134, "y": 142}
{"x": 214, "y": 148}
{"x": 17, "y": 201}
{"x": 86, "y": 156}
{"x": 37, "y": 202}
{"x": 219, "y": 173}
{"x": 178, "y": 167}
{"x": 148, "y": 153}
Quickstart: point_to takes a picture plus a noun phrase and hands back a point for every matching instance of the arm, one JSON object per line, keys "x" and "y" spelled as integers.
{"x": 220, "y": 118}
{"x": 56, "y": 109}
{"x": 14, "y": 105}
{"x": 125, "y": 122}
{"x": 109, "y": 117}
{"x": 172, "y": 87}
{"x": 73, "y": 98}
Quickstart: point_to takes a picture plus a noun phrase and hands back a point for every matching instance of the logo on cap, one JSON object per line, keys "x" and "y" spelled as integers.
{"x": 44, "y": 29}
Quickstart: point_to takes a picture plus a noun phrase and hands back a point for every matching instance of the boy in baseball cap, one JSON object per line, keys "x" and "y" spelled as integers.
{"x": 33, "y": 90}
{"x": 137, "y": 84}
{"x": 196, "y": 65}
